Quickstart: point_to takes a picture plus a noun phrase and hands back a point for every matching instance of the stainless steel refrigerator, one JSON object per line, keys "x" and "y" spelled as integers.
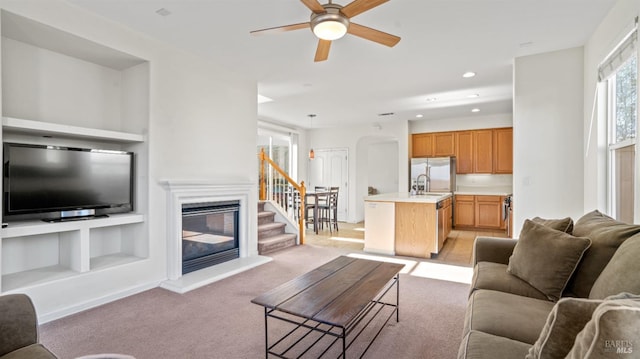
{"x": 441, "y": 172}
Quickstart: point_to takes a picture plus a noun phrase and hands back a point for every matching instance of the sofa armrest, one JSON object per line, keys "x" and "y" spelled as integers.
{"x": 18, "y": 323}
{"x": 493, "y": 249}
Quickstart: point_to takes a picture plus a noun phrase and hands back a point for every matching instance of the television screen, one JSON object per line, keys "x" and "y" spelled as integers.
{"x": 41, "y": 179}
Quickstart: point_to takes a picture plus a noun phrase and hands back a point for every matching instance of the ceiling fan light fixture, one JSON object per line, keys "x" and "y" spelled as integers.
{"x": 330, "y": 25}
{"x": 330, "y": 30}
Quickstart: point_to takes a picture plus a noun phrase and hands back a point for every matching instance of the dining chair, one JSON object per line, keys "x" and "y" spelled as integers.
{"x": 328, "y": 212}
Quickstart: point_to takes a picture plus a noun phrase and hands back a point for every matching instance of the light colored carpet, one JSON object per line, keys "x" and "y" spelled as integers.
{"x": 219, "y": 321}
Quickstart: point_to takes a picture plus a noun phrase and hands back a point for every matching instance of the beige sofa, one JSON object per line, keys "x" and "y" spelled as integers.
{"x": 561, "y": 290}
{"x": 19, "y": 329}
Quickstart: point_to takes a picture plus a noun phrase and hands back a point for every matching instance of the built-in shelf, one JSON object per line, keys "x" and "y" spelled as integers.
{"x": 112, "y": 260}
{"x": 35, "y": 276}
{"x": 38, "y": 128}
{"x": 35, "y": 227}
{"x": 58, "y": 251}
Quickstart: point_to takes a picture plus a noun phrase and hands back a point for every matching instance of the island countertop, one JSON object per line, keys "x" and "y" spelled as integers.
{"x": 430, "y": 197}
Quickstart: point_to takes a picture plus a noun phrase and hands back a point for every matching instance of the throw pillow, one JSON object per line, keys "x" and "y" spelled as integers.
{"x": 567, "y": 318}
{"x": 621, "y": 273}
{"x": 612, "y": 331}
{"x": 564, "y": 224}
{"x": 606, "y": 235}
{"x": 546, "y": 258}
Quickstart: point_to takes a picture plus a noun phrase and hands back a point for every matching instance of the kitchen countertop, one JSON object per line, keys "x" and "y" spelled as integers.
{"x": 485, "y": 190}
{"x": 430, "y": 197}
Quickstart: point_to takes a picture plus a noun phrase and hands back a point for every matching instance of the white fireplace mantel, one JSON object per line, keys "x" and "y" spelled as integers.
{"x": 181, "y": 192}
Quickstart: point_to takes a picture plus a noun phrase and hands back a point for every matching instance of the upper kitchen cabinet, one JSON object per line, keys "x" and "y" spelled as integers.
{"x": 483, "y": 151}
{"x": 503, "y": 150}
{"x": 476, "y": 151}
{"x": 444, "y": 144}
{"x": 464, "y": 152}
{"x": 422, "y": 145}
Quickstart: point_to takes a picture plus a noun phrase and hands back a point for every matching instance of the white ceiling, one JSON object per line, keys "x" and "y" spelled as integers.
{"x": 441, "y": 39}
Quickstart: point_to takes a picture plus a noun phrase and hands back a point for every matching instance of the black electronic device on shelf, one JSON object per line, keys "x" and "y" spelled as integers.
{"x": 56, "y": 183}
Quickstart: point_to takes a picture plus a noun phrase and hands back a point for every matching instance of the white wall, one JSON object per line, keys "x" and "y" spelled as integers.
{"x": 548, "y": 138}
{"x": 610, "y": 32}
{"x": 357, "y": 139}
{"x": 461, "y": 123}
{"x": 382, "y": 156}
{"x": 202, "y": 125}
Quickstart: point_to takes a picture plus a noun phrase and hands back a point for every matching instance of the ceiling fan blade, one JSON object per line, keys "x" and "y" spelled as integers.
{"x": 359, "y": 6}
{"x": 273, "y": 30}
{"x": 314, "y": 5}
{"x": 374, "y": 35}
{"x": 322, "y": 52}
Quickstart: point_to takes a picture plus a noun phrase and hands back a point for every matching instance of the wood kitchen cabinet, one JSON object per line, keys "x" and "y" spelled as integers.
{"x": 415, "y": 229}
{"x": 445, "y": 222}
{"x": 422, "y": 145}
{"x": 503, "y": 150}
{"x": 488, "y": 212}
{"x": 478, "y": 212}
{"x": 465, "y": 209}
{"x": 476, "y": 151}
{"x": 483, "y": 151}
{"x": 444, "y": 144}
{"x": 464, "y": 151}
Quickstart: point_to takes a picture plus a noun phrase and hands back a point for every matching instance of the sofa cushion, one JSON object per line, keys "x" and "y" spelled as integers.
{"x": 622, "y": 273}
{"x": 565, "y": 321}
{"x": 479, "y": 345}
{"x": 506, "y": 315}
{"x": 546, "y": 258}
{"x": 612, "y": 331}
{"x": 563, "y": 225}
{"x": 606, "y": 236}
{"x": 494, "y": 276}
{"x": 33, "y": 351}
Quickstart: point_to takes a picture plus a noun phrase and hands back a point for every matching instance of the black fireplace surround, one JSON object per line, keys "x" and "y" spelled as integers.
{"x": 209, "y": 234}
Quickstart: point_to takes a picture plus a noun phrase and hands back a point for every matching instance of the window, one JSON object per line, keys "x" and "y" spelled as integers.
{"x": 282, "y": 149}
{"x": 622, "y": 113}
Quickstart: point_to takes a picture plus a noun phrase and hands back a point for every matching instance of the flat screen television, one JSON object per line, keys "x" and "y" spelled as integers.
{"x": 66, "y": 182}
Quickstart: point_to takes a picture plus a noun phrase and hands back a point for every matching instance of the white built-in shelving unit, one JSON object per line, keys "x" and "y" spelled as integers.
{"x": 61, "y": 89}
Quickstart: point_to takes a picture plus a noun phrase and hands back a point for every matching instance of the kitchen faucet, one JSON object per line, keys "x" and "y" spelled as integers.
{"x": 425, "y": 188}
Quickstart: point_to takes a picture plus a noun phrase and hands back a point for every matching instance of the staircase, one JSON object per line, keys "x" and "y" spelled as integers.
{"x": 271, "y": 235}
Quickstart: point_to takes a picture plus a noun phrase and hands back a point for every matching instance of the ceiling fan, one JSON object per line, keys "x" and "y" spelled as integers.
{"x": 332, "y": 21}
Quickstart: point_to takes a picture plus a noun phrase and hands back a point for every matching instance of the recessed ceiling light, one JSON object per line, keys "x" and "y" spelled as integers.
{"x": 468, "y": 74}
{"x": 475, "y": 110}
{"x": 419, "y": 115}
{"x": 163, "y": 12}
{"x": 473, "y": 95}
{"x": 431, "y": 99}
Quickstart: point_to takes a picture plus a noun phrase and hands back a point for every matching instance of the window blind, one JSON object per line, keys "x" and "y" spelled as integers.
{"x": 621, "y": 53}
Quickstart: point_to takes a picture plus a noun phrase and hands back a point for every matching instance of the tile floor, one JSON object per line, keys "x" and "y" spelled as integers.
{"x": 457, "y": 248}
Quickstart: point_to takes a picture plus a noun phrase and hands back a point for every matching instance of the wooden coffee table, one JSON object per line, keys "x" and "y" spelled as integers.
{"x": 329, "y": 303}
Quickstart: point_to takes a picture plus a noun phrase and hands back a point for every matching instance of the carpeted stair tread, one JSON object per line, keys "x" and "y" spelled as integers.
{"x": 266, "y": 217}
{"x": 270, "y": 226}
{"x": 277, "y": 238}
{"x": 277, "y": 242}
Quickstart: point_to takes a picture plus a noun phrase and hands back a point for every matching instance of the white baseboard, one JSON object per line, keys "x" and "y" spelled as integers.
{"x": 79, "y": 307}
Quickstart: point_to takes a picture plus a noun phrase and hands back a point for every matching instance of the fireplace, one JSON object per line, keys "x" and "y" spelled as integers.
{"x": 191, "y": 194}
{"x": 209, "y": 234}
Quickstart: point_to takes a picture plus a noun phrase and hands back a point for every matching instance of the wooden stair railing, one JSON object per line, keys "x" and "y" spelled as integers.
{"x": 283, "y": 190}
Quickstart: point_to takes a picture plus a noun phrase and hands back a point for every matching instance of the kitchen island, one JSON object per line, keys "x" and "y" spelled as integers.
{"x": 405, "y": 224}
